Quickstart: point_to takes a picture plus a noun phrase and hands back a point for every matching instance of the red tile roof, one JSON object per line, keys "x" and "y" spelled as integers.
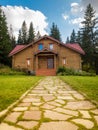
{"x": 75, "y": 46}
{"x": 16, "y": 49}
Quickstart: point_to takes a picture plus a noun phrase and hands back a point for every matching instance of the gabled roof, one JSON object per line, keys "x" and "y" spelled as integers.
{"x": 17, "y": 49}
{"x": 75, "y": 47}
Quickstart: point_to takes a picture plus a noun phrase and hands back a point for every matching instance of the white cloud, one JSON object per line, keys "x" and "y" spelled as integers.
{"x": 75, "y": 8}
{"x": 77, "y": 21}
{"x": 65, "y": 16}
{"x": 17, "y": 14}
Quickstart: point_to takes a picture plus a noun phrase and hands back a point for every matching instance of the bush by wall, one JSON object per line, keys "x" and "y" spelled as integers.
{"x": 69, "y": 71}
{"x": 5, "y": 70}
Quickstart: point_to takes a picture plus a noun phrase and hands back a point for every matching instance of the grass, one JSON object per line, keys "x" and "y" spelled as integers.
{"x": 12, "y": 87}
{"x": 85, "y": 84}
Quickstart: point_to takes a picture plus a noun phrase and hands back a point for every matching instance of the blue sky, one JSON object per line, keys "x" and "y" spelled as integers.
{"x": 67, "y": 14}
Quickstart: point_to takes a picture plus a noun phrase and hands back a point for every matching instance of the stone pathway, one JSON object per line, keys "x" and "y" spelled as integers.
{"x": 52, "y": 105}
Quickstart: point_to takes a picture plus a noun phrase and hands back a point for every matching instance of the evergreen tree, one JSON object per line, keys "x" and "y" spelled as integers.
{"x": 5, "y": 42}
{"x": 13, "y": 41}
{"x": 38, "y": 35}
{"x": 54, "y": 32}
{"x": 88, "y": 36}
{"x": 24, "y": 33}
{"x": 20, "y": 41}
{"x": 78, "y": 38}
{"x": 31, "y": 34}
{"x": 12, "y": 37}
{"x": 73, "y": 37}
{"x": 67, "y": 40}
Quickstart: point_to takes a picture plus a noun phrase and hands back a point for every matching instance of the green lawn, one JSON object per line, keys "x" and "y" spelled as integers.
{"x": 87, "y": 85}
{"x": 12, "y": 87}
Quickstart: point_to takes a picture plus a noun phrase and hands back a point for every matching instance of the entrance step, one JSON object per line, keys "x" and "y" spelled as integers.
{"x": 46, "y": 72}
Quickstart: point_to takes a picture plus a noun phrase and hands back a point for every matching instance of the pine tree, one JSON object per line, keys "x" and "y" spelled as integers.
{"x": 67, "y": 40}
{"x": 73, "y": 37}
{"x": 54, "y": 32}
{"x": 13, "y": 41}
{"x": 24, "y": 33}
{"x": 12, "y": 37}
{"x": 38, "y": 35}
{"x": 5, "y": 42}
{"x": 78, "y": 38}
{"x": 88, "y": 36}
{"x": 31, "y": 34}
{"x": 20, "y": 41}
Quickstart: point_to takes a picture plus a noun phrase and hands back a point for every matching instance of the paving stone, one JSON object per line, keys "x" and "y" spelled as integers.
{"x": 39, "y": 91}
{"x": 86, "y": 123}
{"x": 52, "y": 92}
{"x": 13, "y": 117}
{"x": 4, "y": 126}
{"x": 34, "y": 108}
{"x": 48, "y": 98}
{"x": 20, "y": 108}
{"x": 26, "y": 104}
{"x": 69, "y": 112}
{"x": 55, "y": 115}
{"x": 61, "y": 125}
{"x": 36, "y": 104}
{"x": 79, "y": 96}
{"x": 85, "y": 114}
{"x": 47, "y": 106}
{"x": 31, "y": 100}
{"x": 27, "y": 100}
{"x": 96, "y": 118}
{"x": 66, "y": 97}
{"x": 32, "y": 115}
{"x": 62, "y": 91}
{"x": 60, "y": 101}
{"x": 95, "y": 111}
{"x": 54, "y": 103}
{"x": 27, "y": 124}
{"x": 79, "y": 105}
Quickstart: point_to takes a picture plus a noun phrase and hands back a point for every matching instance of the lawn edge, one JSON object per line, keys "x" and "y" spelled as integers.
{"x": 84, "y": 94}
{"x": 5, "y": 111}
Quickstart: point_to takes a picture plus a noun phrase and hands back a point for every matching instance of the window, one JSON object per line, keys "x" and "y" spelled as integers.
{"x": 28, "y": 62}
{"x": 64, "y": 60}
{"x": 40, "y": 46}
{"x": 51, "y": 46}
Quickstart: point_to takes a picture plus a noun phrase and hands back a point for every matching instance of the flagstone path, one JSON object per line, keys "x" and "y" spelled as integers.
{"x": 52, "y": 105}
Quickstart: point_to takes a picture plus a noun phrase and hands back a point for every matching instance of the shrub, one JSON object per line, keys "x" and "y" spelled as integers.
{"x": 69, "y": 71}
{"x": 5, "y": 70}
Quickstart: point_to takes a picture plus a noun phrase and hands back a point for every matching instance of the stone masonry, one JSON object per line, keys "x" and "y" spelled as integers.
{"x": 52, "y": 105}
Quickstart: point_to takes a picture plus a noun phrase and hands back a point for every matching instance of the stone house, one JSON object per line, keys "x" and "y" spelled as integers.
{"x": 45, "y": 55}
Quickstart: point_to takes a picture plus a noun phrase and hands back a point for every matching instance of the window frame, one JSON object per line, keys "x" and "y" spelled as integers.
{"x": 40, "y": 46}
{"x": 64, "y": 60}
{"x": 50, "y": 46}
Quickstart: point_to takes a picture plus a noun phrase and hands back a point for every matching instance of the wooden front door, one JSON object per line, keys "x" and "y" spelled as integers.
{"x": 50, "y": 63}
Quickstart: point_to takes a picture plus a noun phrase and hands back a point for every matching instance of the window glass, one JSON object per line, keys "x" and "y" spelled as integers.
{"x": 64, "y": 61}
{"x": 51, "y": 46}
{"x": 40, "y": 46}
{"x": 28, "y": 62}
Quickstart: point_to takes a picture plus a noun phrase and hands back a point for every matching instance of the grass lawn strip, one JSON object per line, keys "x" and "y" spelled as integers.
{"x": 12, "y": 87}
{"x": 84, "y": 84}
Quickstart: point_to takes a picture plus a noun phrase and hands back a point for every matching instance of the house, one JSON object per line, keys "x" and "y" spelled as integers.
{"x": 45, "y": 55}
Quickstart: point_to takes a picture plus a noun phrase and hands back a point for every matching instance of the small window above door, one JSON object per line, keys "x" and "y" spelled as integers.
{"x": 40, "y": 46}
